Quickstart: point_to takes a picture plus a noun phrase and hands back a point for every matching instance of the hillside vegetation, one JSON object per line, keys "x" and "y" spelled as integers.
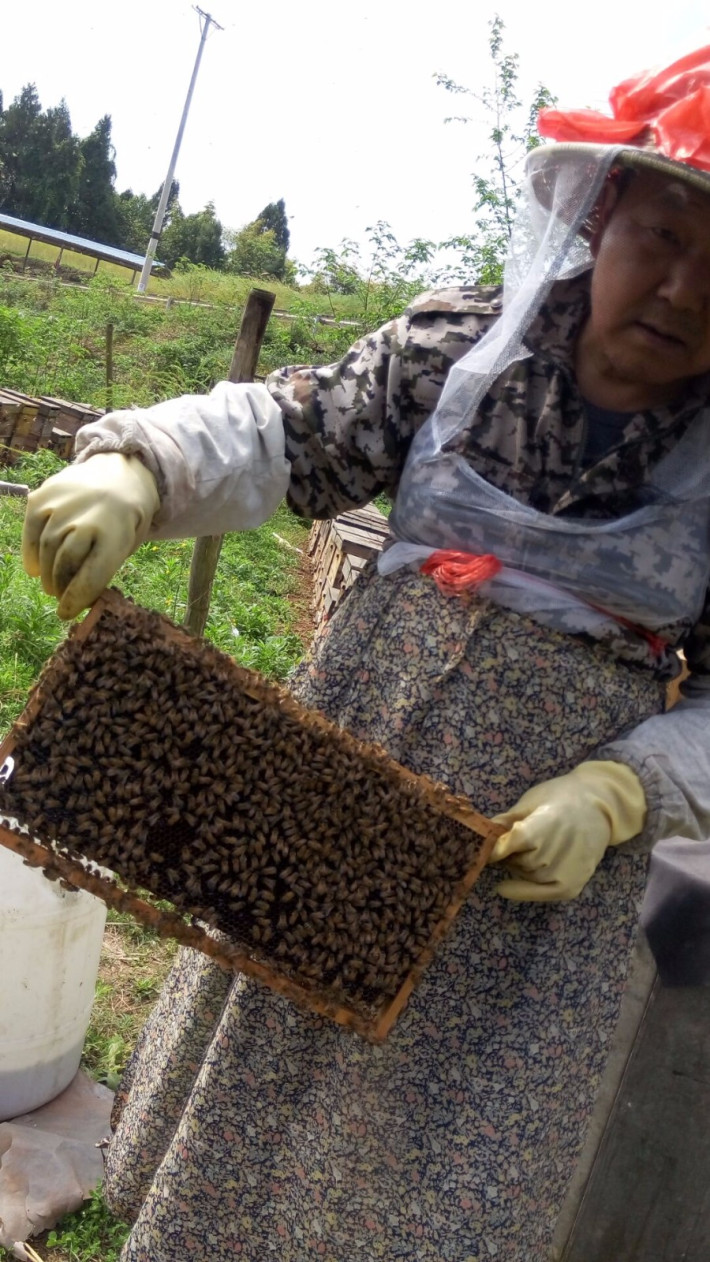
{"x": 53, "y": 337}
{"x": 179, "y": 338}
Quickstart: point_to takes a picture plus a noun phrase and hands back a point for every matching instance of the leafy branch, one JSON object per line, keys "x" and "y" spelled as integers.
{"x": 496, "y": 180}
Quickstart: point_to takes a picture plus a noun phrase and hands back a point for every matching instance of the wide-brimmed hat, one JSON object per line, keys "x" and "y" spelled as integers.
{"x": 660, "y": 123}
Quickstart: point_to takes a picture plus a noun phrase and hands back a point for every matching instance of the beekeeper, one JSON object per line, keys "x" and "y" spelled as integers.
{"x": 549, "y": 451}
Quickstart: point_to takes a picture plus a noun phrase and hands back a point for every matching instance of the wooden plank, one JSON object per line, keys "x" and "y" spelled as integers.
{"x": 46, "y": 430}
{"x": 8, "y": 403}
{"x": 331, "y": 595}
{"x": 357, "y": 528}
{"x": 42, "y": 424}
{"x": 325, "y": 537}
{"x": 317, "y": 540}
{"x": 339, "y": 550}
{"x": 648, "y": 1196}
{"x": 376, "y": 526}
{"x": 335, "y": 569}
{"x": 357, "y": 549}
{"x": 72, "y": 416}
{"x": 352, "y": 566}
{"x": 25, "y": 442}
{"x": 314, "y": 535}
{"x": 369, "y": 512}
{"x": 364, "y": 545}
{"x": 71, "y": 424}
{"x": 25, "y": 419}
{"x": 19, "y": 397}
{"x": 330, "y": 550}
{"x": 61, "y": 442}
{"x": 18, "y": 490}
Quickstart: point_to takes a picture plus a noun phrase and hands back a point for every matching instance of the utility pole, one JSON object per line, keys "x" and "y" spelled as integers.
{"x": 206, "y": 21}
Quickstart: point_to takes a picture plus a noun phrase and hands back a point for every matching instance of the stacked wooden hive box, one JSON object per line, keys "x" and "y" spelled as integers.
{"x": 27, "y": 424}
{"x": 339, "y": 550}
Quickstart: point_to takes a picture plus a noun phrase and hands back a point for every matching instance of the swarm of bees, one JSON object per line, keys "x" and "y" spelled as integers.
{"x": 330, "y": 870}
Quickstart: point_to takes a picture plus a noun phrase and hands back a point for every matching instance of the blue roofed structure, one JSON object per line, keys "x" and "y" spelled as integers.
{"x": 79, "y": 245}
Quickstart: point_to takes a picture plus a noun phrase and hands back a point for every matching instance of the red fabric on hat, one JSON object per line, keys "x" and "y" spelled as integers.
{"x": 672, "y": 106}
{"x": 585, "y": 125}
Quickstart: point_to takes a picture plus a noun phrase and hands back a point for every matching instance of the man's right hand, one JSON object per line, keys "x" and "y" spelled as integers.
{"x": 82, "y": 523}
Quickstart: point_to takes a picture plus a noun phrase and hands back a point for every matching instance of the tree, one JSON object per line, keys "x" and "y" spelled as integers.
{"x": 499, "y": 187}
{"x": 382, "y": 285}
{"x": 136, "y": 214}
{"x": 260, "y": 247}
{"x": 40, "y": 160}
{"x": 61, "y": 164}
{"x": 254, "y": 252}
{"x": 274, "y": 219}
{"x": 96, "y": 210}
{"x": 49, "y": 175}
{"x": 18, "y": 130}
{"x": 135, "y": 221}
{"x": 195, "y": 237}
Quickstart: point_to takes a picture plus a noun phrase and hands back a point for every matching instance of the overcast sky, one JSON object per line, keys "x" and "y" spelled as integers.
{"x": 332, "y": 106}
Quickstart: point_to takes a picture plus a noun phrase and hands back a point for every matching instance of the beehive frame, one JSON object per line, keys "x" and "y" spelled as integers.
{"x": 65, "y": 806}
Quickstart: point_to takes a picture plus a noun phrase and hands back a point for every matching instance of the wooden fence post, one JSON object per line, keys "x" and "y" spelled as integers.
{"x": 206, "y": 551}
{"x": 109, "y": 367}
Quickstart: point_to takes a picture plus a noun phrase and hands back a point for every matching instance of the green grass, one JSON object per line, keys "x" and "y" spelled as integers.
{"x": 40, "y": 252}
{"x": 92, "y": 1234}
{"x": 134, "y": 964}
{"x": 53, "y": 337}
{"x": 194, "y": 283}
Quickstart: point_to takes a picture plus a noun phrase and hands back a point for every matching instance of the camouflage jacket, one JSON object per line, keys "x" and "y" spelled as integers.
{"x": 349, "y": 425}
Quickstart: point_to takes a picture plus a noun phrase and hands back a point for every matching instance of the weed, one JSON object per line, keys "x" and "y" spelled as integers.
{"x": 31, "y": 470}
{"x": 53, "y": 337}
{"x": 134, "y": 964}
{"x": 92, "y": 1233}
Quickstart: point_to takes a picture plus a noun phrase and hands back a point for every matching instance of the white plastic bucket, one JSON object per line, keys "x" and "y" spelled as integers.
{"x": 50, "y": 943}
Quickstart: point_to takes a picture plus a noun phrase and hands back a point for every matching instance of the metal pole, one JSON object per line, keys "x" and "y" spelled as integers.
{"x": 168, "y": 183}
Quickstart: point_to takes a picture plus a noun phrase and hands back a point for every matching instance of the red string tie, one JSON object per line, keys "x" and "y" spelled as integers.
{"x": 456, "y": 572}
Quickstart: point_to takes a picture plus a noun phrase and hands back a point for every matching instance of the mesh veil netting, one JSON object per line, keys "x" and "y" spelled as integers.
{"x": 546, "y": 245}
{"x": 560, "y": 570}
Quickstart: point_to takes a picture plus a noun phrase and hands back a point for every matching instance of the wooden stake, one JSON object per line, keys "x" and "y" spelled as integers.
{"x": 251, "y": 334}
{"x": 109, "y": 367}
{"x": 206, "y": 551}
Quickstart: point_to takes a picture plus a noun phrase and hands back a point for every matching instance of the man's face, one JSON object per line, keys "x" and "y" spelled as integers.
{"x": 649, "y": 325}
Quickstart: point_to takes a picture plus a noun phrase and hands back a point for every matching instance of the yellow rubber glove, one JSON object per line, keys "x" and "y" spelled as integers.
{"x": 561, "y": 828}
{"x": 83, "y": 522}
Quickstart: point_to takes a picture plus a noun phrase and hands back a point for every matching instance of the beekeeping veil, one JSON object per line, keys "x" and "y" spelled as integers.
{"x": 661, "y": 123}
{"x": 549, "y": 242}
